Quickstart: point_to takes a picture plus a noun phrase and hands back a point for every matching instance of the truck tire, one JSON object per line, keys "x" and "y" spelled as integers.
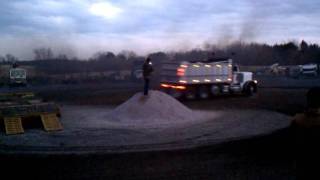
{"x": 203, "y": 92}
{"x": 175, "y": 93}
{"x": 165, "y": 90}
{"x": 249, "y": 89}
{"x": 215, "y": 90}
{"x": 191, "y": 94}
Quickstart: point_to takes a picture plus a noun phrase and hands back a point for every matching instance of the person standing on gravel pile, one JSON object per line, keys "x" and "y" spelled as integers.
{"x": 147, "y": 70}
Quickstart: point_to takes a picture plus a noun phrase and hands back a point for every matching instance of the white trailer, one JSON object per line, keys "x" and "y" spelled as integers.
{"x": 205, "y": 78}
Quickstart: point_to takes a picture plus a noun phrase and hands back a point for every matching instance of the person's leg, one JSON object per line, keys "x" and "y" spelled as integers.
{"x": 148, "y": 81}
{"x": 146, "y": 86}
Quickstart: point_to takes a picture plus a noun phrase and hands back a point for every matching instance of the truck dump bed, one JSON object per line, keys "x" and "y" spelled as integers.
{"x": 204, "y": 72}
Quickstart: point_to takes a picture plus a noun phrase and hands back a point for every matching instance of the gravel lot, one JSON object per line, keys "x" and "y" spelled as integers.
{"x": 283, "y": 154}
{"x": 91, "y": 134}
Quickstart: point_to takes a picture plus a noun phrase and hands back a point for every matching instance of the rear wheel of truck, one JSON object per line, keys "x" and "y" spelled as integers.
{"x": 165, "y": 90}
{"x": 215, "y": 90}
{"x": 203, "y": 92}
{"x": 175, "y": 93}
{"x": 191, "y": 94}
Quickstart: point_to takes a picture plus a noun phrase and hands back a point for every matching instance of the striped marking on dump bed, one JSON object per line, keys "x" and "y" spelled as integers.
{"x": 51, "y": 122}
{"x": 13, "y": 125}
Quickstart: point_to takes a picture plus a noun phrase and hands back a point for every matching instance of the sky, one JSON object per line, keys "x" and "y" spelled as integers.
{"x": 80, "y": 28}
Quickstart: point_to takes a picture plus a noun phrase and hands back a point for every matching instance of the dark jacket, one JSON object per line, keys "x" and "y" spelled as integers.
{"x": 147, "y": 70}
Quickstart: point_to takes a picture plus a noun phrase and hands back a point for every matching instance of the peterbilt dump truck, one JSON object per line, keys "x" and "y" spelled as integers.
{"x": 205, "y": 78}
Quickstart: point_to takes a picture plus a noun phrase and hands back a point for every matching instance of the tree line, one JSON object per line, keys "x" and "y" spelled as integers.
{"x": 289, "y": 53}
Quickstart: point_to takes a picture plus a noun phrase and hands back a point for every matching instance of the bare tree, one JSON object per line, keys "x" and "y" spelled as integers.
{"x": 2, "y": 59}
{"x": 62, "y": 57}
{"x": 127, "y": 54}
{"x": 43, "y": 54}
{"x": 11, "y": 58}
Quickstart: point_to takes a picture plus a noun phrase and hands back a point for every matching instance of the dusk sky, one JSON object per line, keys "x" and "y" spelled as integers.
{"x": 82, "y": 27}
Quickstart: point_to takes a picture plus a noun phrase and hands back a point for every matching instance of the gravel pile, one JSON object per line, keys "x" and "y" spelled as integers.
{"x": 154, "y": 108}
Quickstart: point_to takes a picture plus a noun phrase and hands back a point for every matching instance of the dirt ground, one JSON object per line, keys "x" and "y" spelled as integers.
{"x": 282, "y": 94}
{"x": 287, "y": 101}
{"x": 88, "y": 129}
{"x": 268, "y": 157}
{"x": 285, "y": 154}
{"x": 291, "y": 153}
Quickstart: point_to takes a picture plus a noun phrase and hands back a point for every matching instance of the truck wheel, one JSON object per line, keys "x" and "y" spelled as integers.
{"x": 175, "y": 93}
{"x": 191, "y": 94}
{"x": 203, "y": 92}
{"x": 215, "y": 90}
{"x": 165, "y": 90}
{"x": 249, "y": 90}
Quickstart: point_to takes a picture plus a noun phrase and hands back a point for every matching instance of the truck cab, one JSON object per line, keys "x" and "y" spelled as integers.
{"x": 243, "y": 82}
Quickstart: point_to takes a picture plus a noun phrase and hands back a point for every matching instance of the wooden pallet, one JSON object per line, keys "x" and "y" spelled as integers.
{"x": 51, "y": 122}
{"x": 13, "y": 125}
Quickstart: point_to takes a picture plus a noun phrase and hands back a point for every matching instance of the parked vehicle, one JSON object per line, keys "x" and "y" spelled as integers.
{"x": 18, "y": 77}
{"x": 136, "y": 72}
{"x": 309, "y": 69}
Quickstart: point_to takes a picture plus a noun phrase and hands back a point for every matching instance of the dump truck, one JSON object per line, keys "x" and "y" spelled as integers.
{"x": 18, "y": 76}
{"x": 192, "y": 79}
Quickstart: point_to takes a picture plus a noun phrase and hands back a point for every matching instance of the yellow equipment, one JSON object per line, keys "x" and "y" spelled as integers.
{"x": 16, "y": 108}
{"x": 13, "y": 125}
{"x": 51, "y": 122}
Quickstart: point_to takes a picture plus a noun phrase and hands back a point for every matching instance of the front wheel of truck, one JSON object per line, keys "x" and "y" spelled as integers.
{"x": 249, "y": 89}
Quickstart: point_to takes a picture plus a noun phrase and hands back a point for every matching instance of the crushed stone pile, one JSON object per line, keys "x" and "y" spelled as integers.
{"x": 156, "y": 107}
